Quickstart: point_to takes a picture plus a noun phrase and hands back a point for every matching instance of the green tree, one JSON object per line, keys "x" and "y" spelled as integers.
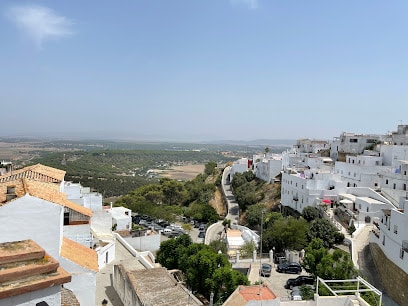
{"x": 224, "y": 282}
{"x": 285, "y": 234}
{"x": 210, "y": 168}
{"x": 320, "y": 262}
{"x": 247, "y": 249}
{"x": 245, "y": 195}
{"x": 323, "y": 229}
{"x": 249, "y": 176}
{"x": 254, "y": 213}
{"x": 219, "y": 245}
{"x": 310, "y": 213}
{"x": 173, "y": 191}
{"x": 238, "y": 180}
{"x": 168, "y": 254}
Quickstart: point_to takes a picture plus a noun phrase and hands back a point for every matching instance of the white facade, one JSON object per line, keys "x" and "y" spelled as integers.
{"x": 350, "y": 143}
{"x": 239, "y": 166}
{"x": 268, "y": 168}
{"x": 360, "y": 171}
{"x": 51, "y": 296}
{"x": 400, "y": 137}
{"x": 83, "y": 196}
{"x": 122, "y": 217}
{"x": 80, "y": 233}
{"x": 83, "y": 282}
{"x": 311, "y": 146}
{"x": 308, "y": 188}
{"x": 32, "y": 218}
{"x": 391, "y": 236}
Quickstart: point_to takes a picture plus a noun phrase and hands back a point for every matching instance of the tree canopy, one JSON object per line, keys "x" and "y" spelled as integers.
{"x": 285, "y": 233}
{"x": 205, "y": 269}
{"x": 320, "y": 262}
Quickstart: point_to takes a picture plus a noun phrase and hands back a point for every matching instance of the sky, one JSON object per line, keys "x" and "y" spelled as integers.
{"x": 202, "y": 70}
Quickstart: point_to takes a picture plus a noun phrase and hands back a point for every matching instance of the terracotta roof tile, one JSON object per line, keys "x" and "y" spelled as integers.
{"x": 243, "y": 294}
{"x": 43, "y": 190}
{"x": 37, "y": 172}
{"x": 81, "y": 255}
{"x": 26, "y": 267}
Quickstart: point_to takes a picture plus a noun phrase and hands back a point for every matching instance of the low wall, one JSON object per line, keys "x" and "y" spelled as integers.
{"x": 393, "y": 279}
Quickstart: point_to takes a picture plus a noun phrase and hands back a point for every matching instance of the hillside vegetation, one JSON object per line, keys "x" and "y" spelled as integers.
{"x": 118, "y": 172}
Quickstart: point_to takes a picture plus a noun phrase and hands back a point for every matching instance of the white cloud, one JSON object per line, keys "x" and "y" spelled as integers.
{"x": 252, "y": 4}
{"x": 40, "y": 23}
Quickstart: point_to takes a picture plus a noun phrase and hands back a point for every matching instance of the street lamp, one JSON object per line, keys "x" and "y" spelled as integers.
{"x": 260, "y": 250}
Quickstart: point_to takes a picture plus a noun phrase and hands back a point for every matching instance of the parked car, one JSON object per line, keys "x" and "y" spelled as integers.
{"x": 296, "y": 295}
{"x": 201, "y": 234}
{"x": 201, "y": 227}
{"x": 289, "y": 267}
{"x": 265, "y": 270}
{"x": 299, "y": 281}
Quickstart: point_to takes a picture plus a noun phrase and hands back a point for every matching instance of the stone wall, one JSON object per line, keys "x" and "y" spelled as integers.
{"x": 394, "y": 279}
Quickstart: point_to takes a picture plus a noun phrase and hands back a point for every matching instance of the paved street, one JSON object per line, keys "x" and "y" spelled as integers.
{"x": 104, "y": 288}
{"x": 276, "y": 281}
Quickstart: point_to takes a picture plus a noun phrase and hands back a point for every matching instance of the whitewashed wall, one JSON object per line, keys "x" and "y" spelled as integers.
{"x": 32, "y": 218}
{"x": 83, "y": 283}
{"x": 52, "y": 296}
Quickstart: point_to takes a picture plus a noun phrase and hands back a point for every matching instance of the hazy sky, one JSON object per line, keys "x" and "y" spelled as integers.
{"x": 203, "y": 70}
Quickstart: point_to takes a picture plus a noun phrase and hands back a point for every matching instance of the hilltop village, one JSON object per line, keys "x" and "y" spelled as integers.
{"x": 61, "y": 246}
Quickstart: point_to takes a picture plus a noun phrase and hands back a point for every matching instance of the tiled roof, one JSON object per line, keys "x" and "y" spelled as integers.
{"x": 79, "y": 254}
{"x": 68, "y": 298}
{"x": 36, "y": 172}
{"x": 243, "y": 294}
{"x": 25, "y": 267}
{"x": 157, "y": 287}
{"x": 46, "y": 191}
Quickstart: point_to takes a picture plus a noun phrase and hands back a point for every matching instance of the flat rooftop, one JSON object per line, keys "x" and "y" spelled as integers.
{"x": 157, "y": 287}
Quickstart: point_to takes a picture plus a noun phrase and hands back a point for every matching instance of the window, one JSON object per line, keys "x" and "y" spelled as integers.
{"x": 375, "y": 184}
{"x": 355, "y": 140}
{"x": 359, "y": 206}
{"x": 386, "y": 182}
{"x": 394, "y": 185}
{"x": 395, "y": 229}
{"x": 402, "y": 253}
{"x": 383, "y": 242}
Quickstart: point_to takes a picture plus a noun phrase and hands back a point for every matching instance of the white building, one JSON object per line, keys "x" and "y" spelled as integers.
{"x": 350, "y": 143}
{"x": 83, "y": 196}
{"x": 33, "y": 208}
{"x": 361, "y": 170}
{"x": 240, "y": 166}
{"x": 400, "y": 137}
{"x": 267, "y": 167}
{"x": 312, "y": 145}
{"x": 121, "y": 218}
{"x": 391, "y": 235}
